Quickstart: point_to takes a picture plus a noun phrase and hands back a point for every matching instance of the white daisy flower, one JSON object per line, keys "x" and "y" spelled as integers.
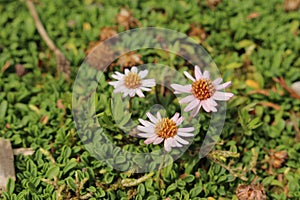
{"x": 161, "y": 129}
{"x": 203, "y": 92}
{"x": 132, "y": 82}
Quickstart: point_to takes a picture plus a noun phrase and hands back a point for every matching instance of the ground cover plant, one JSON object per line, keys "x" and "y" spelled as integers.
{"x": 256, "y": 46}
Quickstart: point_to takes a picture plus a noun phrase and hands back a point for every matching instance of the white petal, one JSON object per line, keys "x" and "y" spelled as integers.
{"x": 176, "y": 144}
{"x": 140, "y": 93}
{"x": 126, "y": 71}
{"x": 213, "y": 109}
{"x": 168, "y": 144}
{"x": 223, "y": 86}
{"x": 143, "y": 74}
{"x": 146, "y": 135}
{"x": 189, "y": 76}
{"x": 132, "y": 93}
{"x": 126, "y": 93}
{"x": 146, "y": 129}
{"x": 181, "y": 88}
{"x": 206, "y": 74}
{"x": 158, "y": 116}
{"x": 179, "y": 121}
{"x": 113, "y": 83}
{"x": 187, "y": 129}
{"x": 150, "y": 140}
{"x": 185, "y": 134}
{"x": 196, "y": 110}
{"x": 187, "y": 99}
{"x": 145, "y": 89}
{"x": 198, "y": 73}
{"x": 175, "y": 117}
{"x": 217, "y": 81}
{"x": 146, "y": 123}
{"x": 117, "y": 76}
{"x": 212, "y": 102}
{"x": 120, "y": 89}
{"x": 192, "y": 105}
{"x": 148, "y": 83}
{"x": 222, "y": 96}
{"x": 158, "y": 140}
{"x": 134, "y": 69}
{"x": 180, "y": 140}
{"x": 151, "y": 117}
{"x": 206, "y": 106}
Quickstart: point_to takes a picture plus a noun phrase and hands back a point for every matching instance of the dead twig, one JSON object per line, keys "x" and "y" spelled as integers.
{"x": 63, "y": 65}
{"x": 282, "y": 82}
{"x": 296, "y": 126}
{"x": 270, "y": 104}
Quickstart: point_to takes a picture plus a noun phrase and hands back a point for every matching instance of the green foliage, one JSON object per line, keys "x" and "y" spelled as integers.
{"x": 244, "y": 49}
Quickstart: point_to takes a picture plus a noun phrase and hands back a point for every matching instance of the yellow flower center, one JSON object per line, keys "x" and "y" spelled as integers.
{"x": 132, "y": 80}
{"x": 203, "y": 89}
{"x": 166, "y": 128}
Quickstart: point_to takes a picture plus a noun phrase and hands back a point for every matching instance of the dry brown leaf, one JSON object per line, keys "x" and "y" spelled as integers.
{"x": 213, "y": 3}
{"x": 291, "y": 5}
{"x": 125, "y": 18}
{"x": 198, "y": 32}
{"x": 59, "y": 104}
{"x": 106, "y": 33}
{"x": 44, "y": 119}
{"x": 251, "y": 192}
{"x": 130, "y": 59}
{"x": 253, "y": 15}
{"x": 20, "y": 70}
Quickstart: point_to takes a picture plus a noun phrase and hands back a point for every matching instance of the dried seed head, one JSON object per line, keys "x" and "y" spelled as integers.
{"x": 278, "y": 158}
{"x": 251, "y": 192}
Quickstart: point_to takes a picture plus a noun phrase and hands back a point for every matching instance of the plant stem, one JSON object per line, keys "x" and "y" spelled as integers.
{"x": 160, "y": 168}
{"x": 63, "y": 65}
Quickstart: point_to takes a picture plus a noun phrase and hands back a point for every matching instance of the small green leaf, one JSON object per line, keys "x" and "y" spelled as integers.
{"x": 10, "y": 186}
{"x": 52, "y": 172}
{"x": 71, "y": 183}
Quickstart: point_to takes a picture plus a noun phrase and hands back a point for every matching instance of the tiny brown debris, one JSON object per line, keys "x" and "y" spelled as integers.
{"x": 44, "y": 119}
{"x": 253, "y": 15}
{"x": 291, "y": 5}
{"x": 130, "y": 59}
{"x": 198, "y": 32}
{"x": 5, "y": 66}
{"x": 197, "y": 175}
{"x": 7, "y": 126}
{"x": 60, "y": 105}
{"x": 20, "y": 70}
{"x": 106, "y": 33}
{"x": 182, "y": 176}
{"x": 213, "y": 3}
{"x": 125, "y": 18}
{"x": 251, "y": 192}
